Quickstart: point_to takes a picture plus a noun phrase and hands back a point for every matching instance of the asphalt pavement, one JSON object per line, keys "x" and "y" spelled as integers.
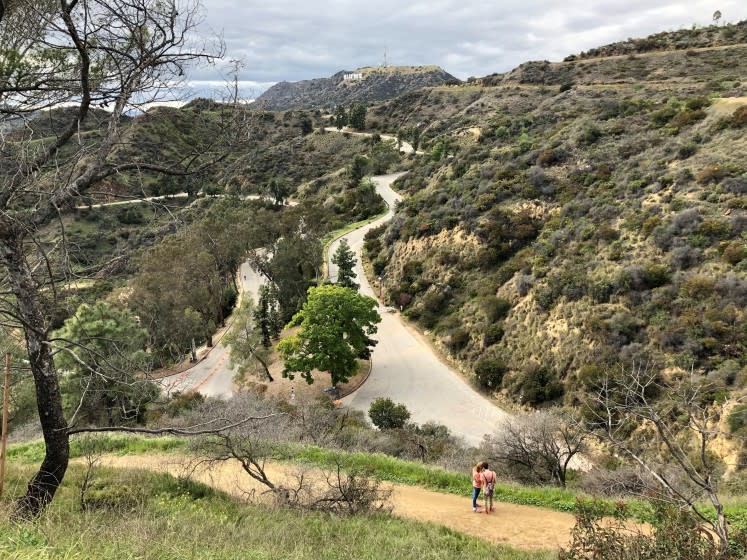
{"x": 212, "y": 377}
{"x": 405, "y": 367}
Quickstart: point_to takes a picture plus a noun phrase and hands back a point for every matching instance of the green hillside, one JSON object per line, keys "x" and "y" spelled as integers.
{"x": 573, "y": 216}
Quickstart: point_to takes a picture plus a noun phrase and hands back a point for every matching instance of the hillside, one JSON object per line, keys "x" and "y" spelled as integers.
{"x": 136, "y": 514}
{"x": 366, "y": 85}
{"x": 576, "y": 216}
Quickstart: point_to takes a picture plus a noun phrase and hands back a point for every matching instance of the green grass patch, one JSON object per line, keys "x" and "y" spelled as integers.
{"x": 332, "y": 235}
{"x": 166, "y": 518}
{"x": 33, "y": 452}
{"x": 384, "y": 467}
{"x": 377, "y": 465}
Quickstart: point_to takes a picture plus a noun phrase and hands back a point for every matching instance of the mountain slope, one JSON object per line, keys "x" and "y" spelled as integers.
{"x": 365, "y": 85}
{"x": 558, "y": 230}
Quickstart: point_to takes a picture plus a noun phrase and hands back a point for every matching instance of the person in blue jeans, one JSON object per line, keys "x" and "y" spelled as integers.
{"x": 476, "y": 485}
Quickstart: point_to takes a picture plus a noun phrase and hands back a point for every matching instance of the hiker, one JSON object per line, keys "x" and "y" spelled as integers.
{"x": 489, "y": 479}
{"x": 477, "y": 482}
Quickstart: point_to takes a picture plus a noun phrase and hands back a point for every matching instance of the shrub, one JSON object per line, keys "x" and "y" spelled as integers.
{"x": 495, "y": 308}
{"x": 686, "y": 150}
{"x": 386, "y": 415}
{"x": 663, "y": 116}
{"x": 736, "y": 185}
{"x": 738, "y": 419}
{"x": 735, "y": 252}
{"x": 739, "y": 117}
{"x": 710, "y": 175}
{"x": 684, "y": 257}
{"x": 589, "y": 135}
{"x": 493, "y": 334}
{"x": 698, "y": 103}
{"x": 489, "y": 372}
{"x": 458, "y": 340}
{"x": 676, "y": 534}
{"x": 686, "y": 118}
{"x": 538, "y": 385}
{"x": 715, "y": 229}
{"x": 646, "y": 277}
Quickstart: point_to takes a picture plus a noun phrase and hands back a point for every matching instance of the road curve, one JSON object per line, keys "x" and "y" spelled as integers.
{"x": 404, "y": 147}
{"x": 212, "y": 377}
{"x": 405, "y": 368}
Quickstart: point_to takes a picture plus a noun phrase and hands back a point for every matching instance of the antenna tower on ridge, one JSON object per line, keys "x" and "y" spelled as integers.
{"x": 385, "y": 64}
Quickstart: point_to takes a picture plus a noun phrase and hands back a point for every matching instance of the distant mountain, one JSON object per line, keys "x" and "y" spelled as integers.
{"x": 361, "y": 86}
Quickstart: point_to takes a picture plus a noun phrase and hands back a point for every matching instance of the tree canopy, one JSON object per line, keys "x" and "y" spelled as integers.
{"x": 357, "y": 118}
{"x": 103, "y": 350}
{"x": 245, "y": 340}
{"x": 335, "y": 326}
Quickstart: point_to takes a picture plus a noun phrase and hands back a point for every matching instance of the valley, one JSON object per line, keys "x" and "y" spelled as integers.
{"x": 316, "y": 322}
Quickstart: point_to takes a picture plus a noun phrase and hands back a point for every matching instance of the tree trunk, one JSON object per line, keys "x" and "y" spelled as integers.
{"x": 42, "y": 487}
{"x": 720, "y": 526}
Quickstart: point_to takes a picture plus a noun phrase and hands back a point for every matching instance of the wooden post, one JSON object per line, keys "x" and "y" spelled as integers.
{"x": 6, "y": 406}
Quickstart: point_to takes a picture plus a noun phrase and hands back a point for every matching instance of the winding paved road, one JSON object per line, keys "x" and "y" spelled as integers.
{"x": 405, "y": 147}
{"x": 212, "y": 377}
{"x": 405, "y": 368}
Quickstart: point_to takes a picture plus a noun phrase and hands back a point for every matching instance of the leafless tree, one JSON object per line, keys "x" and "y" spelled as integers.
{"x": 83, "y": 53}
{"x": 318, "y": 421}
{"x": 249, "y": 443}
{"x": 667, "y": 429}
{"x": 536, "y": 448}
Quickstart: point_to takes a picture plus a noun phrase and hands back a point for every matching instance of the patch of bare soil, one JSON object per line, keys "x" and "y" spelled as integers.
{"x": 521, "y": 527}
{"x": 725, "y": 106}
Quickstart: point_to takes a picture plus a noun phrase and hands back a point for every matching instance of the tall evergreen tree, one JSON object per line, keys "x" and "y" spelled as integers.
{"x": 341, "y": 117}
{"x": 267, "y": 314}
{"x": 358, "y": 169}
{"x": 344, "y": 258}
{"x": 357, "y": 117}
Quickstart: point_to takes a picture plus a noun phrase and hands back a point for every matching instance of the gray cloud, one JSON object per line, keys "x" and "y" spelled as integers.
{"x": 293, "y": 40}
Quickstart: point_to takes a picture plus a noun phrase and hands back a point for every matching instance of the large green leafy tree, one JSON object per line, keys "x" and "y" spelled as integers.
{"x": 176, "y": 294}
{"x": 335, "y": 328}
{"x": 344, "y": 258}
{"x": 102, "y": 349}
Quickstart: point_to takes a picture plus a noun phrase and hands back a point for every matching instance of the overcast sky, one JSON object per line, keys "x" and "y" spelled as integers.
{"x": 295, "y": 40}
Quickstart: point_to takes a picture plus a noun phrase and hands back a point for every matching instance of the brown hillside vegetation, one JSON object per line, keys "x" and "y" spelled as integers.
{"x": 596, "y": 217}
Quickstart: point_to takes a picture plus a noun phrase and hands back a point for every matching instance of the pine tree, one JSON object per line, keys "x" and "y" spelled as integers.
{"x": 344, "y": 258}
{"x": 267, "y": 314}
{"x": 341, "y": 117}
{"x": 357, "y": 117}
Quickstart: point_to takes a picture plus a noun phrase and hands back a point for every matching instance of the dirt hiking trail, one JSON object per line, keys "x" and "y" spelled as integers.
{"x": 520, "y": 527}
